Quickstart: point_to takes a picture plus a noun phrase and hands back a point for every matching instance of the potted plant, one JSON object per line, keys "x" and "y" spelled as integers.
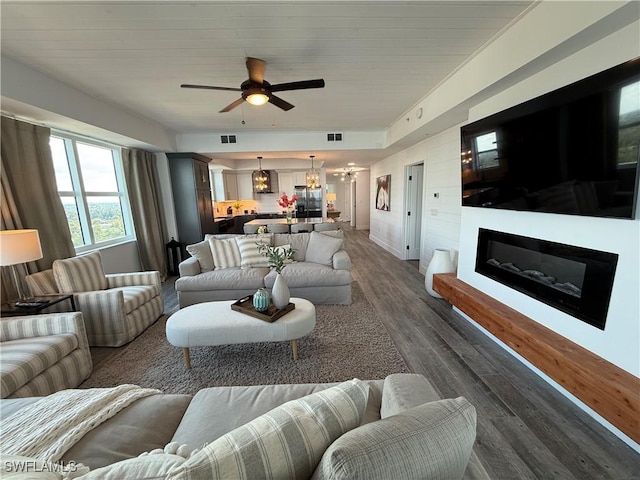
{"x": 277, "y": 258}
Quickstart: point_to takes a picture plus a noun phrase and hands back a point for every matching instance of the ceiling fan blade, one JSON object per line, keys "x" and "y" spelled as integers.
{"x": 231, "y": 106}
{"x": 208, "y": 87}
{"x": 278, "y": 102}
{"x": 304, "y": 84}
{"x": 255, "y": 67}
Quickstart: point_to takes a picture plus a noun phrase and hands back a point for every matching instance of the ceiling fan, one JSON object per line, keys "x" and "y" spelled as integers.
{"x": 257, "y": 91}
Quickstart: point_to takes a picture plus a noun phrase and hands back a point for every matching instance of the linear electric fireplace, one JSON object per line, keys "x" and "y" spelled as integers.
{"x": 573, "y": 279}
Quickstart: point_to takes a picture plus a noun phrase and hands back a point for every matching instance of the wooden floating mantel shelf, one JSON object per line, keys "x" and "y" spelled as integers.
{"x": 609, "y": 390}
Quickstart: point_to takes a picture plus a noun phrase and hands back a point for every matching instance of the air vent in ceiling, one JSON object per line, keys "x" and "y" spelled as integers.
{"x": 228, "y": 138}
{"x": 334, "y": 137}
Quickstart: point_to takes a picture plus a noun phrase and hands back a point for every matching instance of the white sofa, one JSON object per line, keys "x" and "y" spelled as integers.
{"x": 397, "y": 428}
{"x": 320, "y": 273}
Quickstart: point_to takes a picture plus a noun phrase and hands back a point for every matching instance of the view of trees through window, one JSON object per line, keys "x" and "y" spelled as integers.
{"x": 629, "y": 124}
{"x": 91, "y": 189}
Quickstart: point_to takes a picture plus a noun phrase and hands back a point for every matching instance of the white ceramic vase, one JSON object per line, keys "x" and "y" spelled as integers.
{"x": 440, "y": 263}
{"x": 280, "y": 292}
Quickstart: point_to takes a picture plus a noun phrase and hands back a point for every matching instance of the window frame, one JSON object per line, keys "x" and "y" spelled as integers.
{"x": 80, "y": 195}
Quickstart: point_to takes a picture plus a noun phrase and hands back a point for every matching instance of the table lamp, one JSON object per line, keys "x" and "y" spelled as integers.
{"x": 16, "y": 247}
{"x": 331, "y": 196}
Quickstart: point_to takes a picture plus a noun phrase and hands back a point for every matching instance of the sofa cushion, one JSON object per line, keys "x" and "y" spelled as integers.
{"x": 147, "y": 467}
{"x": 25, "y": 358}
{"x": 226, "y": 253}
{"x": 433, "y": 440}
{"x": 307, "y": 274}
{"x": 213, "y": 411}
{"x": 136, "y": 296}
{"x": 80, "y": 274}
{"x": 145, "y": 425}
{"x": 321, "y": 248}
{"x": 250, "y": 256}
{"x": 402, "y": 392}
{"x": 226, "y": 279}
{"x": 285, "y": 443}
{"x": 201, "y": 251}
{"x": 298, "y": 242}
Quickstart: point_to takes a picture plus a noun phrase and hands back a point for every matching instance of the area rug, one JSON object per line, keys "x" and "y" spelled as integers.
{"x": 349, "y": 341}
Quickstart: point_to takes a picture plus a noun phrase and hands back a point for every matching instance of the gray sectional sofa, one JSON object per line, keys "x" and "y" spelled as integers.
{"x": 320, "y": 272}
{"x": 392, "y": 428}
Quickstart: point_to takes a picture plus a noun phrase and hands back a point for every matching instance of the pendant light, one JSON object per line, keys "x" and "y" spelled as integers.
{"x": 313, "y": 176}
{"x": 260, "y": 178}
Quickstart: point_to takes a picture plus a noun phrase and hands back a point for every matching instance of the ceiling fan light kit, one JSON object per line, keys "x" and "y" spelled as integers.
{"x": 257, "y": 91}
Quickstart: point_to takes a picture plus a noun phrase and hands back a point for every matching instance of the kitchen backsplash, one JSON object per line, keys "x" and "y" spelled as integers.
{"x": 267, "y": 203}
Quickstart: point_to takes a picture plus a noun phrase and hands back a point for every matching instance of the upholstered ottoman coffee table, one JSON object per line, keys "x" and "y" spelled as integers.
{"x": 214, "y": 323}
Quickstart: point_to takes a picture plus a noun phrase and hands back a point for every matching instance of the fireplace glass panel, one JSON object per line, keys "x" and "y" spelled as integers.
{"x": 575, "y": 280}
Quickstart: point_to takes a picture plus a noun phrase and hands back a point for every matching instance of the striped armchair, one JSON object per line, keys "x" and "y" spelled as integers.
{"x": 116, "y": 307}
{"x": 42, "y": 354}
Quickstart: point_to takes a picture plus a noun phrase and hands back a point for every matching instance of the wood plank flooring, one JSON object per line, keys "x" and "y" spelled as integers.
{"x": 526, "y": 429}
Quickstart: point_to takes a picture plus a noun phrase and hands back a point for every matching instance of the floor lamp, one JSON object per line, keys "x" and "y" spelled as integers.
{"x": 16, "y": 247}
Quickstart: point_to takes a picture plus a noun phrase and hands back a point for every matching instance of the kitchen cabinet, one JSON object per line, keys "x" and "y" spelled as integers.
{"x": 286, "y": 183}
{"x": 230, "y": 185}
{"x": 245, "y": 186}
{"x": 191, "y": 187}
{"x": 300, "y": 178}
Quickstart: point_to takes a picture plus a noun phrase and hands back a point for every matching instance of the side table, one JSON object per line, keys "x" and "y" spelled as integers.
{"x": 11, "y": 310}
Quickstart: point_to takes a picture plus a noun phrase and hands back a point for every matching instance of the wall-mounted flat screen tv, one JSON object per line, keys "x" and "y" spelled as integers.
{"x": 572, "y": 151}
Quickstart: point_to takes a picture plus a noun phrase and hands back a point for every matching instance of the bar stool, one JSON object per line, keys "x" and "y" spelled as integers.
{"x": 250, "y": 229}
{"x": 278, "y": 228}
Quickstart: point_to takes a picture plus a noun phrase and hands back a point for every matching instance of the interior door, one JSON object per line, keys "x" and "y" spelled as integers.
{"x": 413, "y": 222}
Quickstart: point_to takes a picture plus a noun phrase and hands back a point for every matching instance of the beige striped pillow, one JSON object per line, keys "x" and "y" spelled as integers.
{"x": 225, "y": 253}
{"x": 285, "y": 443}
{"x": 80, "y": 274}
{"x": 249, "y": 254}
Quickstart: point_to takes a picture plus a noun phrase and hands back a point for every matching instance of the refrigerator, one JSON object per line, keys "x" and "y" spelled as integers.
{"x": 309, "y": 204}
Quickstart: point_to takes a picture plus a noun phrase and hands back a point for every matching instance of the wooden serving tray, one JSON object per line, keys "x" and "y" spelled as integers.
{"x": 245, "y": 305}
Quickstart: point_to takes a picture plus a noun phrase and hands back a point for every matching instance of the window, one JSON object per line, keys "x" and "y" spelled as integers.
{"x": 487, "y": 151}
{"x": 91, "y": 186}
{"x": 629, "y": 124}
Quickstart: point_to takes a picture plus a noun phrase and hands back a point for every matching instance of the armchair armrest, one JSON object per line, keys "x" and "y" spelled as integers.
{"x": 115, "y": 280}
{"x": 30, "y": 326}
{"x": 189, "y": 267}
{"x": 341, "y": 260}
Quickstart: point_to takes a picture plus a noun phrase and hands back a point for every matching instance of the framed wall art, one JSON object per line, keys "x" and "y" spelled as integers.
{"x": 383, "y": 191}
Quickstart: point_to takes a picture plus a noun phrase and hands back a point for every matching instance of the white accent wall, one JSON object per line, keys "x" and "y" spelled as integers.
{"x": 445, "y": 224}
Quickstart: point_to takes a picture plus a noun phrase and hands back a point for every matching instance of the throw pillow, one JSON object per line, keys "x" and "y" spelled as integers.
{"x": 285, "y": 443}
{"x": 322, "y": 248}
{"x": 249, "y": 254}
{"x": 225, "y": 253}
{"x": 201, "y": 251}
{"x": 433, "y": 440}
{"x": 80, "y": 274}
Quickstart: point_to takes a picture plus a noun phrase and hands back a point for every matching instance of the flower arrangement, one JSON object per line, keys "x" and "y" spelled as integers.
{"x": 286, "y": 202}
{"x": 277, "y": 256}
{"x": 237, "y": 206}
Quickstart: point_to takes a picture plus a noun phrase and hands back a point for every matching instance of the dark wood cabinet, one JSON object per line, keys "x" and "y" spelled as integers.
{"x": 191, "y": 186}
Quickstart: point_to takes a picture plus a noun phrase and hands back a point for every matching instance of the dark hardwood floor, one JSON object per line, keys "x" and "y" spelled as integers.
{"x": 526, "y": 429}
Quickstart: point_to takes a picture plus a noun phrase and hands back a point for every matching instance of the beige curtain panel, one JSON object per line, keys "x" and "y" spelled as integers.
{"x": 29, "y": 193}
{"x": 143, "y": 187}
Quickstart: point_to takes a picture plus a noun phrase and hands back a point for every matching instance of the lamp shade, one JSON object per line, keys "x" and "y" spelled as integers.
{"x": 19, "y": 246}
{"x": 331, "y": 196}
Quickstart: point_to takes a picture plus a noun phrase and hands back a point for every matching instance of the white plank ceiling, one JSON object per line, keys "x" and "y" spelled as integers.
{"x": 377, "y": 58}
